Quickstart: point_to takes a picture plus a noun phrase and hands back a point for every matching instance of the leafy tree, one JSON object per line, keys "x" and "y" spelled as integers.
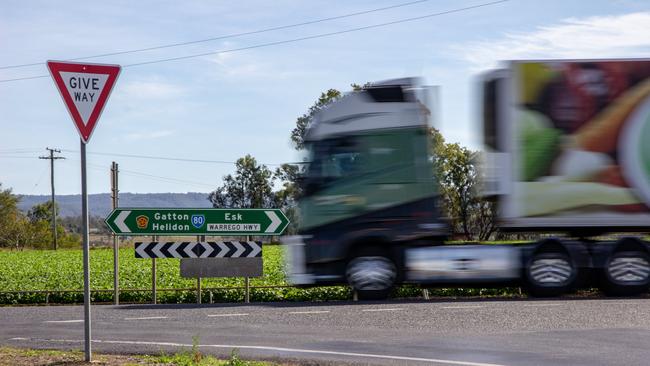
{"x": 8, "y": 205}
{"x": 286, "y": 197}
{"x": 250, "y": 187}
{"x": 326, "y": 98}
{"x": 10, "y": 225}
{"x": 20, "y": 231}
{"x": 43, "y": 212}
{"x": 459, "y": 181}
{"x": 288, "y": 174}
{"x": 298, "y": 133}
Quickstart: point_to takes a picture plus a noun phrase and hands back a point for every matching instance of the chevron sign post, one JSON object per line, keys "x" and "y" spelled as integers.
{"x": 208, "y": 249}
{"x": 197, "y": 221}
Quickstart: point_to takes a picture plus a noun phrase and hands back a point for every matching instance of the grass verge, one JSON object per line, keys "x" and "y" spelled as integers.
{"x": 10, "y": 356}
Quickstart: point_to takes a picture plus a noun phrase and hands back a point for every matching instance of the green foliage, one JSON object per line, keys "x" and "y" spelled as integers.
{"x": 34, "y": 230}
{"x": 298, "y": 133}
{"x": 457, "y": 173}
{"x": 250, "y": 187}
{"x": 287, "y": 196}
{"x": 331, "y": 95}
{"x": 63, "y": 270}
{"x": 11, "y": 221}
{"x": 42, "y": 212}
{"x": 235, "y": 360}
{"x": 8, "y": 203}
{"x": 195, "y": 358}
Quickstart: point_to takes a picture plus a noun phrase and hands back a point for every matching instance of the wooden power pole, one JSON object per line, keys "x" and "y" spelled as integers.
{"x": 51, "y": 158}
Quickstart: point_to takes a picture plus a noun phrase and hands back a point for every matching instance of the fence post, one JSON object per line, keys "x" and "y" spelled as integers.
{"x": 247, "y": 282}
{"x": 153, "y": 274}
{"x": 199, "y": 238}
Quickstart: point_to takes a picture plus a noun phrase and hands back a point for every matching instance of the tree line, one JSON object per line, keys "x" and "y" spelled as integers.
{"x": 33, "y": 229}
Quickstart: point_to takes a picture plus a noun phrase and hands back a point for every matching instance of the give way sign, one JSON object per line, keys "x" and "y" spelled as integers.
{"x": 85, "y": 88}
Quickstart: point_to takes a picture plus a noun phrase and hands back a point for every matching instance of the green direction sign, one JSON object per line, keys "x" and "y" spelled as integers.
{"x": 197, "y": 221}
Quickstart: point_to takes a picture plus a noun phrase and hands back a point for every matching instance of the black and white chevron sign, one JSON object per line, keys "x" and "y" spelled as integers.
{"x": 207, "y": 249}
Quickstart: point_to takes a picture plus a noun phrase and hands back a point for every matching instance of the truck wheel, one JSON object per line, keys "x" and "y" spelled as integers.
{"x": 626, "y": 273}
{"x": 550, "y": 274}
{"x": 371, "y": 276}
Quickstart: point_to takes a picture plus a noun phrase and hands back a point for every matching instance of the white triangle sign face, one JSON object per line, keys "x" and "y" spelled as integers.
{"x": 85, "y": 88}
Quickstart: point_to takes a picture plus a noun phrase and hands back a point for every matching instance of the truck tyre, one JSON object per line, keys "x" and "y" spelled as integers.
{"x": 626, "y": 273}
{"x": 372, "y": 275}
{"x": 550, "y": 273}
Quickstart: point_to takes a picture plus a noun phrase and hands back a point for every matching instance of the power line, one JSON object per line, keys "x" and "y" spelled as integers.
{"x": 261, "y": 45}
{"x": 153, "y": 177}
{"x": 215, "y": 38}
{"x": 18, "y": 157}
{"x": 166, "y": 179}
{"x": 19, "y": 151}
{"x": 152, "y": 157}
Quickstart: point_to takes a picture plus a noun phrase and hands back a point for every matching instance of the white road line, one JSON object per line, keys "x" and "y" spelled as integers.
{"x": 386, "y": 309}
{"x": 65, "y": 321}
{"x": 542, "y": 305}
{"x": 147, "y": 318}
{"x": 310, "y": 312}
{"x": 223, "y": 315}
{"x": 462, "y": 307}
{"x": 281, "y": 349}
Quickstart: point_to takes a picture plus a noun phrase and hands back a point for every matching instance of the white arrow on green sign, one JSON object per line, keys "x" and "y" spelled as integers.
{"x": 197, "y": 221}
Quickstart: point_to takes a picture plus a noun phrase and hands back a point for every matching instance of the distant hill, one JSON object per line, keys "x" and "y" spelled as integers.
{"x": 100, "y": 204}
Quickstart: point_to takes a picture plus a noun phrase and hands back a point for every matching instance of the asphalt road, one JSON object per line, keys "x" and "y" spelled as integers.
{"x": 497, "y": 332}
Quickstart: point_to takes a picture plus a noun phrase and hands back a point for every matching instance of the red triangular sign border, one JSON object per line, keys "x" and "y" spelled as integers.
{"x": 56, "y": 67}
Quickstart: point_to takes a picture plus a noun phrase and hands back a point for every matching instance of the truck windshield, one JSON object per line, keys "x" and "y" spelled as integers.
{"x": 330, "y": 160}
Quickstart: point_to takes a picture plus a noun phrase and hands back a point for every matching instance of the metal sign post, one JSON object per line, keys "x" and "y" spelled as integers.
{"x": 116, "y": 246}
{"x": 86, "y": 255}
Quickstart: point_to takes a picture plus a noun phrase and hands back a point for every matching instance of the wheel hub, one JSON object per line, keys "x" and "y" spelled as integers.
{"x": 371, "y": 273}
{"x": 551, "y": 271}
{"x": 629, "y": 269}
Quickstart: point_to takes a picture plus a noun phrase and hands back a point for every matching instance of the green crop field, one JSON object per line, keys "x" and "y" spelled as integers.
{"x": 62, "y": 270}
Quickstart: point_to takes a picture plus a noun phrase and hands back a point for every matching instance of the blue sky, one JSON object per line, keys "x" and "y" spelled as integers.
{"x": 223, "y": 106}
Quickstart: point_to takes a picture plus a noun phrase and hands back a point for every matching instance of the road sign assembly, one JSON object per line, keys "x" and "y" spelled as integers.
{"x": 197, "y": 221}
{"x": 209, "y": 249}
{"x": 85, "y": 88}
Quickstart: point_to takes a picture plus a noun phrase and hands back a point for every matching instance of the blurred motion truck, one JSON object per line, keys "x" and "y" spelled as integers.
{"x": 567, "y": 157}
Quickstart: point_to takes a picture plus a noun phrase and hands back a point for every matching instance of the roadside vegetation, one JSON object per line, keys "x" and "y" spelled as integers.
{"x": 10, "y": 356}
{"x": 35, "y": 270}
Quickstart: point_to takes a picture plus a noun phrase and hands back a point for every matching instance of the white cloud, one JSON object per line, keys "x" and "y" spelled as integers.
{"x": 613, "y": 36}
{"x": 251, "y": 66}
{"x": 139, "y": 136}
{"x": 151, "y": 89}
